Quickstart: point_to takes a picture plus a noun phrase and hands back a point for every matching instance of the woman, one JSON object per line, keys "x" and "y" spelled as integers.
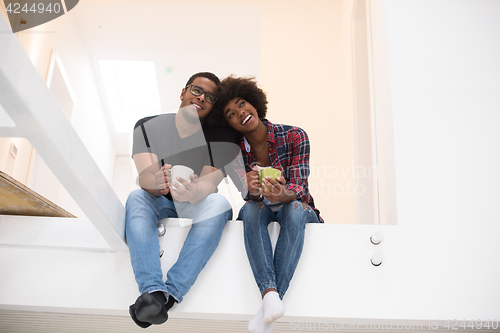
{"x": 286, "y": 200}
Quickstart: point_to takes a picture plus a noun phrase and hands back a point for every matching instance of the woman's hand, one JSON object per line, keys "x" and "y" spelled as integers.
{"x": 274, "y": 190}
{"x": 253, "y": 183}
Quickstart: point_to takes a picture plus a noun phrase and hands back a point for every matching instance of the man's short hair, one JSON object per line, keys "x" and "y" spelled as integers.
{"x": 207, "y": 75}
{"x": 243, "y": 87}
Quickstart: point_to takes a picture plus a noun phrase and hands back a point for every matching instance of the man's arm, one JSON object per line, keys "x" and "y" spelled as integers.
{"x": 208, "y": 181}
{"x": 152, "y": 179}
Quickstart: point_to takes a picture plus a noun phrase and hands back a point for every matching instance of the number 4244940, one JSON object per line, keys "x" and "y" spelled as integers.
{"x": 471, "y": 324}
{"x": 15, "y": 8}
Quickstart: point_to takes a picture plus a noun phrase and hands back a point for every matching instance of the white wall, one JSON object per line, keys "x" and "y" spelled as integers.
{"x": 445, "y": 78}
{"x": 440, "y": 260}
{"x": 306, "y": 71}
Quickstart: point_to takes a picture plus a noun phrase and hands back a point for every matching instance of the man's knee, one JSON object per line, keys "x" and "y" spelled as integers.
{"x": 218, "y": 200}
{"x": 136, "y": 196}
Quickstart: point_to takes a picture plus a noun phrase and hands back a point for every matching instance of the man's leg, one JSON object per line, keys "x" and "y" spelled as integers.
{"x": 209, "y": 219}
{"x": 143, "y": 211}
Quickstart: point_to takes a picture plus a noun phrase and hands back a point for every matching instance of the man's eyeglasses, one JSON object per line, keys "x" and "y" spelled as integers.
{"x": 198, "y": 91}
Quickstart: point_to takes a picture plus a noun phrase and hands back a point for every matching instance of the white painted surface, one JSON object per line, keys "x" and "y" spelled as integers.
{"x": 440, "y": 262}
{"x": 445, "y": 78}
{"x": 427, "y": 273}
{"x": 51, "y": 232}
{"x": 125, "y": 177}
{"x": 5, "y": 120}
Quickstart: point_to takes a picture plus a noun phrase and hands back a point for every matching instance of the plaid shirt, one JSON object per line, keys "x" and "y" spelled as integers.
{"x": 289, "y": 152}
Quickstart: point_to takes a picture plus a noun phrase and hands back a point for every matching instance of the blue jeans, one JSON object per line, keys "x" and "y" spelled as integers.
{"x": 143, "y": 211}
{"x": 292, "y": 217}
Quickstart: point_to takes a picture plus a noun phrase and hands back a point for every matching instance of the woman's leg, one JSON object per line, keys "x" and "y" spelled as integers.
{"x": 256, "y": 216}
{"x": 292, "y": 218}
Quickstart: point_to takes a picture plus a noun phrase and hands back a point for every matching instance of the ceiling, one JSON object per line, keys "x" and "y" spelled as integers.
{"x": 180, "y": 38}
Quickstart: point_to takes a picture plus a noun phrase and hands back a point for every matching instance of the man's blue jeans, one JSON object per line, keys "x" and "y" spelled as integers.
{"x": 143, "y": 213}
{"x": 292, "y": 218}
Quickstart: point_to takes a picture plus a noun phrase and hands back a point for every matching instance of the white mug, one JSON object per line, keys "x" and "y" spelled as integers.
{"x": 180, "y": 171}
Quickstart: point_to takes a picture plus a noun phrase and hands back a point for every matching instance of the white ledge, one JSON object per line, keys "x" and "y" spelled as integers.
{"x": 51, "y": 232}
{"x": 334, "y": 279}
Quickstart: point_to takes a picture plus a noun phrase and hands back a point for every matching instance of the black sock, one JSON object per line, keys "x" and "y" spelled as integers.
{"x": 142, "y": 324}
{"x": 149, "y": 309}
{"x": 170, "y": 303}
{"x": 159, "y": 296}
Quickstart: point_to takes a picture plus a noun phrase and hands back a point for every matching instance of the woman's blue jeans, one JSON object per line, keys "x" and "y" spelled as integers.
{"x": 143, "y": 211}
{"x": 278, "y": 272}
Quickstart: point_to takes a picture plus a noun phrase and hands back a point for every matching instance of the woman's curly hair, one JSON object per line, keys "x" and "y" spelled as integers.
{"x": 242, "y": 87}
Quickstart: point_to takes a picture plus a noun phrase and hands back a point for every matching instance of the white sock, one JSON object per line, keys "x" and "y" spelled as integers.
{"x": 264, "y": 328}
{"x": 256, "y": 321}
{"x": 273, "y": 308}
{"x": 256, "y": 325}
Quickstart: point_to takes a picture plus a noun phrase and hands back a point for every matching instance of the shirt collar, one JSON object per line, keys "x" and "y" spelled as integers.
{"x": 270, "y": 135}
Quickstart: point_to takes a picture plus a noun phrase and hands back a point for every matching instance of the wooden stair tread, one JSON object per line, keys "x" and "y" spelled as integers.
{"x": 18, "y": 199}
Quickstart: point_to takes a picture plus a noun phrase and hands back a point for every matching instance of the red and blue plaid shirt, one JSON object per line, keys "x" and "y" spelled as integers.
{"x": 289, "y": 151}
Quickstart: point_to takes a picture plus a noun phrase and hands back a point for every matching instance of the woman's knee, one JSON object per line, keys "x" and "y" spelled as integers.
{"x": 295, "y": 213}
{"x": 251, "y": 208}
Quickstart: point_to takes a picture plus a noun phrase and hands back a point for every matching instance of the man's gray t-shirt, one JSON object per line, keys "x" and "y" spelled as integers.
{"x": 158, "y": 135}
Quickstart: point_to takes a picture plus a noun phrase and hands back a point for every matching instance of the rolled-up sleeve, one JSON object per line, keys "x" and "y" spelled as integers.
{"x": 298, "y": 170}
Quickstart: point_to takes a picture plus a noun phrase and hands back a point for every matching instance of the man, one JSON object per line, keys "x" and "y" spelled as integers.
{"x": 161, "y": 142}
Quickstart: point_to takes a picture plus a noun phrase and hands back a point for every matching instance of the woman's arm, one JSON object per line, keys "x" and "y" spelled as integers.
{"x": 296, "y": 187}
{"x": 298, "y": 170}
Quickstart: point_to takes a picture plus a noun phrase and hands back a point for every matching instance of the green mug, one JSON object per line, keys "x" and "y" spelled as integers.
{"x": 269, "y": 172}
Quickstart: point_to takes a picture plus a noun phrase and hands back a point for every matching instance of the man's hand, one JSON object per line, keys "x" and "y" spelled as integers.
{"x": 183, "y": 190}
{"x": 274, "y": 190}
{"x": 161, "y": 179}
{"x": 253, "y": 183}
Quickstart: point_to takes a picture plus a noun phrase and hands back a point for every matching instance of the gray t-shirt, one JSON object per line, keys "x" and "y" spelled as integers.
{"x": 208, "y": 147}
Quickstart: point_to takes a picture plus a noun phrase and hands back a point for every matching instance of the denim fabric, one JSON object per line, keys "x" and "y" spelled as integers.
{"x": 143, "y": 211}
{"x": 278, "y": 272}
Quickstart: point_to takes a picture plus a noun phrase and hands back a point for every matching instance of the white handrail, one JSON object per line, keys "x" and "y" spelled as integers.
{"x": 38, "y": 117}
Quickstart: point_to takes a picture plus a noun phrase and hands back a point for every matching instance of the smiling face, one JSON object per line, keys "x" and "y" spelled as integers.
{"x": 202, "y": 107}
{"x": 241, "y": 115}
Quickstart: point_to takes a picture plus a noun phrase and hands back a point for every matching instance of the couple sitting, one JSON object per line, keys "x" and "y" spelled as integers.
{"x": 197, "y": 136}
